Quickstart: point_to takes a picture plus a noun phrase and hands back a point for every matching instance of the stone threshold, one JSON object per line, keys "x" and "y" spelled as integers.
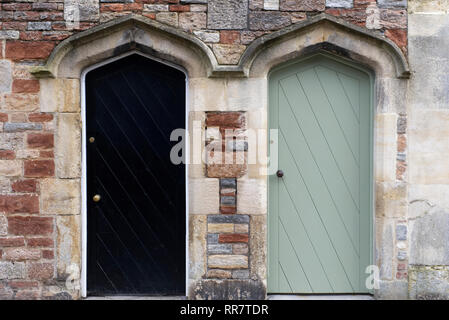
{"x": 135, "y": 298}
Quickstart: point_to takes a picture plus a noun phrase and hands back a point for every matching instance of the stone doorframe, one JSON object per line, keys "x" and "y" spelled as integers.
{"x": 240, "y": 88}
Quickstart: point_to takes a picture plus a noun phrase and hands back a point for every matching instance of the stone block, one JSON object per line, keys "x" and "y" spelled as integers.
{"x": 170, "y": 18}
{"x": 68, "y": 244}
{"x": 392, "y": 290}
{"x": 219, "y": 274}
{"x": 203, "y": 196}
{"x": 20, "y": 102}
{"x": 303, "y": 5}
{"x": 60, "y": 196}
{"x": 228, "y": 218}
{"x": 39, "y": 25}
{"x": 268, "y": 20}
{"x": 61, "y": 95}
{"x": 81, "y": 10}
{"x": 227, "y": 14}
{"x": 258, "y": 247}
{"x": 428, "y": 282}
{"x": 228, "y": 54}
{"x": 220, "y": 227}
{"x": 10, "y": 168}
{"x": 271, "y": 4}
{"x": 240, "y": 274}
{"x": 11, "y": 141}
{"x": 198, "y": 246}
{"x": 252, "y": 196}
{"x": 385, "y": 146}
{"x": 339, "y": 3}
{"x": 18, "y": 126}
{"x": 12, "y": 270}
{"x": 401, "y": 232}
{"x": 3, "y": 225}
{"x": 428, "y": 6}
{"x": 207, "y": 36}
{"x": 6, "y": 78}
{"x": 392, "y": 3}
{"x": 219, "y": 248}
{"x": 189, "y": 21}
{"x": 68, "y": 146}
{"x": 227, "y": 289}
{"x": 227, "y": 261}
{"x": 391, "y": 199}
{"x": 429, "y": 238}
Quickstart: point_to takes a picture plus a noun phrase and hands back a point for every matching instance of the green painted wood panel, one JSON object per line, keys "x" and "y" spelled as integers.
{"x": 320, "y": 212}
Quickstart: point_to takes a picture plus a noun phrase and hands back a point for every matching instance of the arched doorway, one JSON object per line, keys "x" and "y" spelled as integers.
{"x": 320, "y": 205}
{"x": 136, "y": 202}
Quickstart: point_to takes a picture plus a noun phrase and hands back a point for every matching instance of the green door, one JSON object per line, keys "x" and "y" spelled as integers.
{"x": 320, "y": 209}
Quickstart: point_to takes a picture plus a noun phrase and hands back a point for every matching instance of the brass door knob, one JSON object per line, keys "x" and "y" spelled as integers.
{"x": 96, "y": 198}
{"x": 280, "y": 173}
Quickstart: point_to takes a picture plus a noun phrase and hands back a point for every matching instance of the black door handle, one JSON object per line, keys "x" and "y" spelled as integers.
{"x": 280, "y": 173}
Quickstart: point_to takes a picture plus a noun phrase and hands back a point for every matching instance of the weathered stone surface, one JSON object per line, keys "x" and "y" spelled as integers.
{"x": 21, "y": 254}
{"x": 68, "y": 146}
{"x": 9, "y": 34}
{"x": 240, "y": 248}
{"x": 302, "y": 5}
{"x": 194, "y": 1}
{"x": 11, "y": 141}
{"x": 220, "y": 227}
{"x": 59, "y": 95}
{"x": 81, "y": 10}
{"x": 68, "y": 244}
{"x": 391, "y": 199}
{"x": 219, "y": 248}
{"x": 392, "y": 290}
{"x": 339, "y": 3}
{"x": 227, "y": 14}
{"x": 241, "y": 228}
{"x": 212, "y": 238}
{"x": 385, "y": 146}
{"x": 429, "y": 282}
{"x": 10, "y": 168}
{"x": 155, "y": 7}
{"x": 40, "y": 271}
{"x": 170, "y": 18}
{"x": 208, "y": 36}
{"x": 401, "y": 232}
{"x": 6, "y": 78}
{"x": 228, "y": 218}
{"x": 197, "y": 246}
{"x": 428, "y": 6}
{"x": 271, "y": 4}
{"x": 3, "y": 225}
{"x": 227, "y": 290}
{"x": 258, "y": 247}
{"x": 393, "y": 19}
{"x": 268, "y": 20}
{"x": 203, "y": 196}
{"x": 429, "y": 238}
{"x": 190, "y": 21}
{"x": 240, "y": 274}
{"x": 227, "y": 261}
{"x": 252, "y": 196}
{"x": 60, "y": 196}
{"x": 20, "y": 102}
{"x": 39, "y": 25}
{"x": 12, "y": 270}
{"x": 392, "y": 3}
{"x": 198, "y": 8}
{"x": 228, "y": 53}
{"x": 18, "y": 126}
{"x": 219, "y": 274}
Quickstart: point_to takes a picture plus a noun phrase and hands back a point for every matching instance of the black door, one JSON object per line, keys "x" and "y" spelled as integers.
{"x": 135, "y": 195}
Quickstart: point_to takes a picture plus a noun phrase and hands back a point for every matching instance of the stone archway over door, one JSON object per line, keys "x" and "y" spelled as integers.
{"x": 135, "y": 194}
{"x": 320, "y": 209}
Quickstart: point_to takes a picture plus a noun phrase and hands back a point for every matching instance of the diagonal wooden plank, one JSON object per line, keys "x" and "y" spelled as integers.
{"x": 323, "y": 229}
{"x": 302, "y": 244}
{"x": 315, "y": 158}
{"x": 352, "y": 89}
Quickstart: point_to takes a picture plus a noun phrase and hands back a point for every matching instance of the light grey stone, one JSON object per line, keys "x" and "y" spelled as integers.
{"x": 237, "y": 145}
{"x": 119, "y": 1}
{"x": 386, "y": 253}
{"x": 240, "y": 274}
{"x": 402, "y": 255}
{"x": 219, "y": 248}
{"x": 271, "y": 5}
{"x": 212, "y": 238}
{"x": 11, "y": 141}
{"x": 155, "y": 7}
{"x": 401, "y": 232}
{"x": 170, "y": 18}
{"x": 429, "y": 282}
{"x": 429, "y": 239}
{"x": 39, "y": 25}
{"x": 9, "y": 34}
{"x": 12, "y": 270}
{"x": 227, "y": 14}
{"x": 268, "y": 20}
{"x": 21, "y": 126}
{"x": 208, "y": 36}
{"x": 3, "y": 225}
{"x": 228, "y": 183}
{"x": 6, "y": 76}
{"x": 392, "y": 290}
{"x": 402, "y": 125}
{"x": 194, "y": 1}
{"x": 391, "y": 3}
{"x": 339, "y": 3}
{"x": 226, "y": 200}
{"x": 81, "y": 10}
{"x": 401, "y": 156}
{"x": 228, "y": 218}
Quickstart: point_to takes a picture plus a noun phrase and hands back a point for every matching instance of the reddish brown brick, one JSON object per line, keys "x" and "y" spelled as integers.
{"x": 133, "y": 6}
{"x": 48, "y": 254}
{"x": 14, "y": 25}
{"x": 40, "y": 242}
{"x": 47, "y": 154}
{"x": 39, "y": 168}
{"x": 23, "y": 284}
{"x": 7, "y": 154}
{"x": 233, "y": 237}
{"x": 40, "y": 140}
{"x": 40, "y": 271}
{"x": 25, "y": 86}
{"x": 19, "y": 203}
{"x": 229, "y": 37}
{"x": 226, "y": 119}
{"x": 40, "y": 117}
{"x": 402, "y": 142}
{"x": 21, "y": 254}
{"x": 31, "y": 35}
{"x": 12, "y": 242}
{"x": 27, "y": 295}
{"x": 3, "y": 117}
{"x": 179, "y": 7}
{"x": 21, "y": 50}
{"x": 27, "y": 185}
{"x": 16, "y": 6}
{"x": 228, "y": 210}
{"x": 19, "y": 225}
{"x": 114, "y": 7}
{"x": 398, "y": 36}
